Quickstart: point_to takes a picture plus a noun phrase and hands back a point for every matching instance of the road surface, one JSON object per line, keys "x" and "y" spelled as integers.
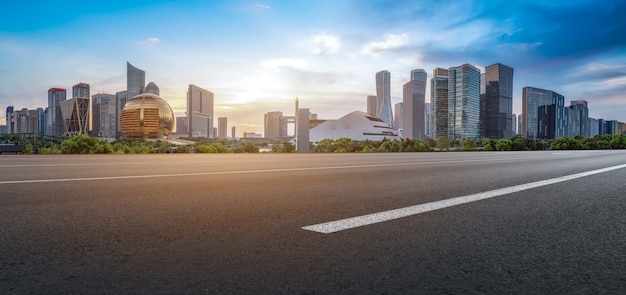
{"x": 427, "y": 223}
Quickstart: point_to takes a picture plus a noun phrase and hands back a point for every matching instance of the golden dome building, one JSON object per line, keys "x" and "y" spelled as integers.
{"x": 147, "y": 115}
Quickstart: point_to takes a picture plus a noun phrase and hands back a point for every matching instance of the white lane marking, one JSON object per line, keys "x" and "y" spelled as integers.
{"x": 358, "y": 221}
{"x": 252, "y": 171}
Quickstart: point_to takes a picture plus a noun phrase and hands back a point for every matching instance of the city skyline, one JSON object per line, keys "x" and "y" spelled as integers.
{"x": 257, "y": 57}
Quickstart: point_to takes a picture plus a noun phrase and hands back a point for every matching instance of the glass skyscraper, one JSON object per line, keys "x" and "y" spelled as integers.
{"x": 543, "y": 114}
{"x": 54, "y": 120}
{"x": 498, "y": 106}
{"x": 439, "y": 103}
{"x": 413, "y": 100}
{"x": 135, "y": 81}
{"x": 200, "y": 112}
{"x": 464, "y": 102}
{"x": 383, "y": 97}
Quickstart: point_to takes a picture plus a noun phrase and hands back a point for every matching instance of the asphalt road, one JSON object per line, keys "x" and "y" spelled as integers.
{"x": 236, "y": 224}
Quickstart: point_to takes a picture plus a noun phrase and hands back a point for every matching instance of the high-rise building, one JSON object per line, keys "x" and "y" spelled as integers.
{"x": 121, "y": 97}
{"x": 519, "y": 124}
{"x": 275, "y": 125}
{"x": 303, "y": 126}
{"x": 514, "y": 121}
{"x": 232, "y": 132}
{"x": 182, "y": 125}
{"x": 498, "y": 101}
{"x": 414, "y": 98}
{"x": 543, "y": 114}
{"x": 439, "y": 103}
{"x": 371, "y": 105}
{"x": 200, "y": 112}
{"x": 398, "y": 117}
{"x": 383, "y": 97}
{"x": 594, "y": 127}
{"x": 152, "y": 88}
{"x": 464, "y": 102}
{"x": 104, "y": 115}
{"x": 75, "y": 113}
{"x": 80, "y": 90}
{"x": 135, "y": 81}
{"x": 427, "y": 118}
{"x": 8, "y": 112}
{"x": 222, "y": 127}
{"x": 24, "y": 121}
{"x": 54, "y": 120}
{"x": 578, "y": 124}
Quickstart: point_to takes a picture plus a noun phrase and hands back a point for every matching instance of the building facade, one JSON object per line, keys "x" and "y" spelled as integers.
{"x": 54, "y": 119}
{"x": 498, "y": 106}
{"x": 464, "y": 102}
{"x": 578, "y": 122}
{"x": 200, "y": 112}
{"x": 398, "y": 110}
{"x": 439, "y": 103}
{"x": 383, "y": 97}
{"x": 275, "y": 125}
{"x": 371, "y": 105}
{"x": 135, "y": 81}
{"x": 413, "y": 100}
{"x": 24, "y": 121}
{"x": 104, "y": 115}
{"x": 222, "y": 127}
{"x": 543, "y": 114}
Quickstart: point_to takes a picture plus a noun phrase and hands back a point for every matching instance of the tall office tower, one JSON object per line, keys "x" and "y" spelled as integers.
{"x": 275, "y": 125}
{"x": 75, "y": 111}
{"x": 543, "y": 114}
{"x": 121, "y": 97}
{"x": 135, "y": 81}
{"x": 9, "y": 111}
{"x": 222, "y": 123}
{"x": 519, "y": 124}
{"x": 593, "y": 127}
{"x": 54, "y": 121}
{"x": 464, "y": 102}
{"x": 514, "y": 127}
{"x": 303, "y": 126}
{"x": 498, "y": 101}
{"x": 371, "y": 105}
{"x": 439, "y": 103}
{"x": 398, "y": 110}
{"x": 413, "y": 99}
{"x": 80, "y": 90}
{"x": 103, "y": 115}
{"x": 23, "y": 121}
{"x": 483, "y": 104}
{"x": 383, "y": 97}
{"x": 579, "y": 117}
{"x": 182, "y": 125}
{"x": 200, "y": 112}
{"x": 427, "y": 118}
{"x": 232, "y": 132}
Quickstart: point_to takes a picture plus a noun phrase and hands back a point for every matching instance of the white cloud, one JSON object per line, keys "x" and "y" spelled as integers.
{"x": 390, "y": 43}
{"x": 147, "y": 43}
{"x": 259, "y": 6}
{"x": 272, "y": 64}
{"x": 325, "y": 43}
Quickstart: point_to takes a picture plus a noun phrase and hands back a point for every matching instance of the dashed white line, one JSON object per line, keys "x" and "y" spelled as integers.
{"x": 358, "y": 221}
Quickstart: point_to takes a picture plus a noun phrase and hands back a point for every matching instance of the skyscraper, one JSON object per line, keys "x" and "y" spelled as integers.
{"x": 414, "y": 98}
{"x": 439, "y": 103}
{"x": 543, "y": 114}
{"x": 222, "y": 127}
{"x": 200, "y": 112}
{"x": 121, "y": 97}
{"x": 398, "y": 110}
{"x": 104, "y": 116}
{"x": 54, "y": 121}
{"x": 464, "y": 102}
{"x": 371, "y": 105}
{"x": 578, "y": 118}
{"x": 427, "y": 118}
{"x": 75, "y": 111}
{"x": 275, "y": 125}
{"x": 383, "y": 97}
{"x": 498, "y": 101}
{"x": 135, "y": 81}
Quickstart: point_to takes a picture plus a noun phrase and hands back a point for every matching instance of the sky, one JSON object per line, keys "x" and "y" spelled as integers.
{"x": 258, "y": 56}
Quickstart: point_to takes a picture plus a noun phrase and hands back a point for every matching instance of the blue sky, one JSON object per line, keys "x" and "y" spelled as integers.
{"x": 257, "y": 56}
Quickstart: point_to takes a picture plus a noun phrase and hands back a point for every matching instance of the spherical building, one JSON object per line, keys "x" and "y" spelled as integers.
{"x": 147, "y": 115}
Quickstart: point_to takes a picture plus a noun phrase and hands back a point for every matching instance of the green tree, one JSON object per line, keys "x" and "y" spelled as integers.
{"x": 488, "y": 144}
{"x": 443, "y": 143}
{"x": 468, "y": 144}
{"x": 325, "y": 146}
{"x": 565, "y": 143}
{"x": 618, "y": 141}
{"x": 84, "y": 144}
{"x": 519, "y": 144}
{"x": 504, "y": 144}
{"x": 28, "y": 149}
